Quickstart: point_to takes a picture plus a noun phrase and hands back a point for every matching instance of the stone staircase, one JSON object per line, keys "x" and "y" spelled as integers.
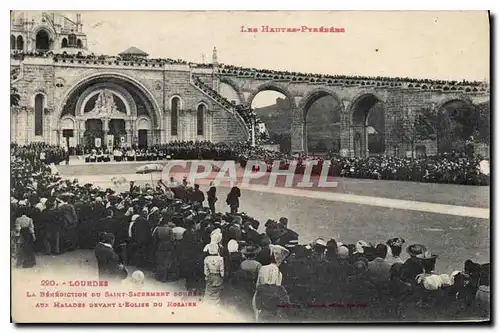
{"x": 220, "y": 100}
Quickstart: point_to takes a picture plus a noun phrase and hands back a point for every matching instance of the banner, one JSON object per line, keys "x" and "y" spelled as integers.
{"x": 97, "y": 142}
{"x": 110, "y": 141}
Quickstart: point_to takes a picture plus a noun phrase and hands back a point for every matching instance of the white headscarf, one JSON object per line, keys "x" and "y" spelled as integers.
{"x": 269, "y": 274}
{"x": 212, "y": 248}
{"x": 216, "y": 236}
{"x": 279, "y": 253}
{"x": 232, "y": 246}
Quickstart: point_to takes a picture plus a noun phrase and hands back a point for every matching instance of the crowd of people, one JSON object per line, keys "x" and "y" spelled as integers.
{"x": 449, "y": 168}
{"x": 181, "y": 150}
{"x": 39, "y": 153}
{"x": 263, "y": 73}
{"x": 260, "y": 269}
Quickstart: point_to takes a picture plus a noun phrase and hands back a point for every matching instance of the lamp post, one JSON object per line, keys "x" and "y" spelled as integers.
{"x": 253, "y": 117}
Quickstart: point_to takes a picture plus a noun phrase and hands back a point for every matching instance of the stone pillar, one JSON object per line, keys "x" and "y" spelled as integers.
{"x": 297, "y": 132}
{"x": 128, "y": 131}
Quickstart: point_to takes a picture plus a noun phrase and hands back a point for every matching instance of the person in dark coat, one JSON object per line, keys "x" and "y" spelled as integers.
{"x": 166, "y": 263}
{"x": 412, "y": 266}
{"x": 212, "y": 197}
{"x": 191, "y": 261}
{"x": 142, "y": 239}
{"x": 197, "y": 195}
{"x": 109, "y": 267}
{"x": 264, "y": 256}
{"x": 233, "y": 199}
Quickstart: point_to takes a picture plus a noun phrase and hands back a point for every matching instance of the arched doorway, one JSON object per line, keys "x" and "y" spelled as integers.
{"x": 20, "y": 43}
{"x": 368, "y": 121}
{"x": 143, "y": 130}
{"x": 274, "y": 119}
{"x": 42, "y": 40}
{"x": 322, "y": 117}
{"x": 93, "y": 131}
{"x": 12, "y": 42}
{"x": 117, "y": 130}
{"x": 126, "y": 99}
{"x": 457, "y": 122}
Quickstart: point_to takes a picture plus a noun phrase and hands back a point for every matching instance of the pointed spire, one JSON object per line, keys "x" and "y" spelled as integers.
{"x": 214, "y": 56}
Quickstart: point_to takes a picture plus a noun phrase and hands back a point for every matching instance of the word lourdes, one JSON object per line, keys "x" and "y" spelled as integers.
{"x": 302, "y": 28}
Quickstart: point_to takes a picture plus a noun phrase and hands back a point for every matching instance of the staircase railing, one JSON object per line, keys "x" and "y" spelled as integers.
{"x": 220, "y": 100}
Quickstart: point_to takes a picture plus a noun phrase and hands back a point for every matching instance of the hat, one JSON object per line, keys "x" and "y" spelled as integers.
{"x": 426, "y": 256}
{"x": 320, "y": 242}
{"x": 343, "y": 252}
{"x": 396, "y": 242}
{"x": 137, "y": 277}
{"x": 178, "y": 232}
{"x": 292, "y": 243}
{"x": 415, "y": 249}
{"x": 360, "y": 245}
{"x": 251, "y": 250}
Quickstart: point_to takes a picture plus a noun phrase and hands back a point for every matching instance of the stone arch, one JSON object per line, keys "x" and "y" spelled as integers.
{"x": 148, "y": 96}
{"x": 201, "y": 111}
{"x": 67, "y": 122}
{"x": 453, "y": 98}
{"x": 181, "y": 102}
{"x": 20, "y": 43}
{"x": 273, "y": 86}
{"x": 358, "y": 122}
{"x": 447, "y": 138}
{"x": 39, "y": 92}
{"x": 314, "y": 95}
{"x": 119, "y": 91}
{"x": 94, "y": 92}
{"x": 358, "y": 98}
{"x": 39, "y": 104}
{"x": 64, "y": 43}
{"x": 143, "y": 123}
{"x": 43, "y": 39}
{"x": 235, "y": 86}
{"x": 331, "y": 139}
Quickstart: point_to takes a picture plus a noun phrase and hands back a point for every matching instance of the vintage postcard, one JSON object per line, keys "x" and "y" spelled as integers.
{"x": 250, "y": 167}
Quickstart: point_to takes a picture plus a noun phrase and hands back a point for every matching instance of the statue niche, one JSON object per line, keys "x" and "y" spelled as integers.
{"x": 105, "y": 105}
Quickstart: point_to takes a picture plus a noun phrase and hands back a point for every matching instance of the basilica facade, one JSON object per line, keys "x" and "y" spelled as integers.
{"x": 66, "y": 91}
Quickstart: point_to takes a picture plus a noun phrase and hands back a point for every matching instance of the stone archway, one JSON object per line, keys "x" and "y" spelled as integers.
{"x": 131, "y": 100}
{"x": 234, "y": 86}
{"x": 42, "y": 40}
{"x": 297, "y": 119}
{"x": 363, "y": 125}
{"x": 456, "y": 122}
{"x": 305, "y": 105}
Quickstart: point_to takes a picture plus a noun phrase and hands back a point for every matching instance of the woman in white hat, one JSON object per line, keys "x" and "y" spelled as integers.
{"x": 214, "y": 273}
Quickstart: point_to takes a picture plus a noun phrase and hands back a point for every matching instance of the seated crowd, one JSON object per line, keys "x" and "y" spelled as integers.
{"x": 450, "y": 168}
{"x": 253, "y": 72}
{"x": 260, "y": 269}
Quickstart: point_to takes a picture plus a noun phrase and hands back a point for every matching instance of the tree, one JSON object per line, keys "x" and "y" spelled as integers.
{"x": 411, "y": 127}
{"x": 14, "y": 97}
{"x": 482, "y": 132}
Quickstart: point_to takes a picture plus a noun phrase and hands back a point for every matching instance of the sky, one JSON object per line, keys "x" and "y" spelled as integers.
{"x": 434, "y": 44}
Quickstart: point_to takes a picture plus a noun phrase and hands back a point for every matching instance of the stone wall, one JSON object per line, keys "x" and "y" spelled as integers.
{"x": 41, "y": 75}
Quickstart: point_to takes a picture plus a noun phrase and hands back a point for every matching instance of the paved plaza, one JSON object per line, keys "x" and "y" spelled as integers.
{"x": 456, "y": 226}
